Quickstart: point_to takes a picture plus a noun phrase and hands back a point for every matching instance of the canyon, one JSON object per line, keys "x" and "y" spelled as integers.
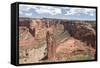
{"x": 53, "y": 40}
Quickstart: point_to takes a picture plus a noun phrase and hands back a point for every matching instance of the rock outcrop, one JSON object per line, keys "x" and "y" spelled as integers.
{"x": 73, "y": 47}
{"x": 82, "y": 31}
{"x": 32, "y": 55}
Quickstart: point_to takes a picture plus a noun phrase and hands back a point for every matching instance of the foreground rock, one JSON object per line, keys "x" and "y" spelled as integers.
{"x": 73, "y": 47}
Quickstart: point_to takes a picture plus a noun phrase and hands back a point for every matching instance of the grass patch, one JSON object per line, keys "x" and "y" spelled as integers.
{"x": 40, "y": 44}
{"x": 80, "y": 57}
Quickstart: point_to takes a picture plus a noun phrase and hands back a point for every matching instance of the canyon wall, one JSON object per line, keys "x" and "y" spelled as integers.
{"x": 44, "y": 39}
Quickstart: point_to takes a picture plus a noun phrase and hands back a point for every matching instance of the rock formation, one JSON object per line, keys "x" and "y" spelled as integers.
{"x": 71, "y": 48}
{"x": 47, "y": 40}
{"x": 82, "y": 31}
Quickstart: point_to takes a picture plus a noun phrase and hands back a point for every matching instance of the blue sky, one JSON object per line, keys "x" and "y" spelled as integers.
{"x": 73, "y": 13}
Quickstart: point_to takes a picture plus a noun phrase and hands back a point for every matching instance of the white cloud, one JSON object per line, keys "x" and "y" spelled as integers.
{"x": 24, "y": 10}
{"x": 91, "y": 14}
{"x": 20, "y": 12}
{"x": 28, "y": 14}
{"x": 25, "y": 7}
{"x": 89, "y": 11}
{"x": 73, "y": 11}
{"x": 48, "y": 9}
{"x": 41, "y": 9}
{"x": 78, "y": 11}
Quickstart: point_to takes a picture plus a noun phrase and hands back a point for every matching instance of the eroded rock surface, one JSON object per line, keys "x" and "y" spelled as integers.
{"x": 73, "y": 47}
{"x": 66, "y": 39}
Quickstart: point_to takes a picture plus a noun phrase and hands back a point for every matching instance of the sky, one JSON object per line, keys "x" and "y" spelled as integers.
{"x": 72, "y": 13}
